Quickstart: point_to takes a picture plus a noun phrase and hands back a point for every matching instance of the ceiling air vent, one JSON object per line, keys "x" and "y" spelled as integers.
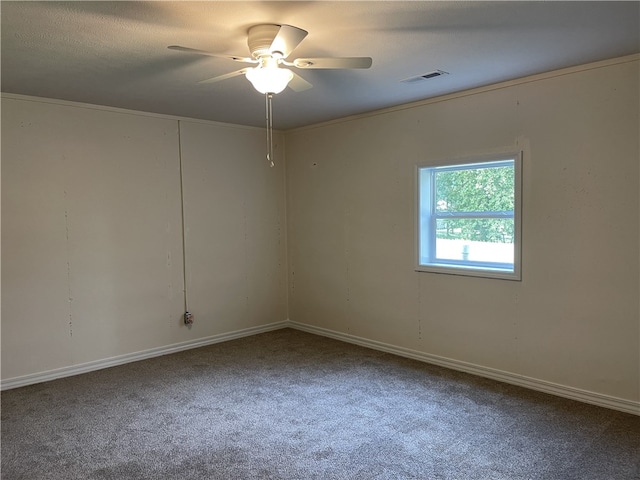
{"x": 424, "y": 76}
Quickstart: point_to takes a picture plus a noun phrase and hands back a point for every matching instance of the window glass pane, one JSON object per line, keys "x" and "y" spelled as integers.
{"x": 475, "y": 240}
{"x": 475, "y": 190}
{"x": 494, "y": 230}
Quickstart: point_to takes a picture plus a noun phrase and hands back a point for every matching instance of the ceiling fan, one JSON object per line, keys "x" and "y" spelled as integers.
{"x": 270, "y": 45}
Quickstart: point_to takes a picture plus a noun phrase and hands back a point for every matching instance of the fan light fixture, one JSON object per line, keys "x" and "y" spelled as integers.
{"x": 270, "y": 45}
{"x": 269, "y": 79}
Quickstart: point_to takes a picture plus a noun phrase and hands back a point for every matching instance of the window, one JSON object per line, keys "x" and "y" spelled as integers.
{"x": 469, "y": 217}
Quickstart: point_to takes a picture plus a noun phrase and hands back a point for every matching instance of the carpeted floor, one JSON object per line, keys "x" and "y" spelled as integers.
{"x": 291, "y": 405}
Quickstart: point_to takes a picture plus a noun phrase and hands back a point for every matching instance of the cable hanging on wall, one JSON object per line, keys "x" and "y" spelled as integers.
{"x": 188, "y": 316}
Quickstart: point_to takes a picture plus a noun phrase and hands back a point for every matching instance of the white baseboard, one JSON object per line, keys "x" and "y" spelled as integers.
{"x": 585, "y": 396}
{"x": 25, "y": 380}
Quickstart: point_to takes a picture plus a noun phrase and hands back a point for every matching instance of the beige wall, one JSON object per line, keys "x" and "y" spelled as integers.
{"x": 572, "y": 320}
{"x": 92, "y": 248}
{"x": 235, "y": 225}
{"x": 91, "y": 233}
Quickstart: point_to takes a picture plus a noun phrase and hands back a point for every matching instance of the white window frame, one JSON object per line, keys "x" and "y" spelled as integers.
{"x": 460, "y": 267}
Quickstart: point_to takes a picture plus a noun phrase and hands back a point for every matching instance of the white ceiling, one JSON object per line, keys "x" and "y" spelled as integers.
{"x": 115, "y": 53}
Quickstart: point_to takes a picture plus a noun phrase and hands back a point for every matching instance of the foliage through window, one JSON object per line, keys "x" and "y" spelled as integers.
{"x": 469, "y": 218}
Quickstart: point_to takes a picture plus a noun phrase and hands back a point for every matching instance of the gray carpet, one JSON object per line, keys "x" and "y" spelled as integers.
{"x": 291, "y": 405}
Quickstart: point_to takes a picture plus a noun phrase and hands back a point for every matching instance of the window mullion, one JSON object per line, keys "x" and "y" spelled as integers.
{"x": 496, "y": 214}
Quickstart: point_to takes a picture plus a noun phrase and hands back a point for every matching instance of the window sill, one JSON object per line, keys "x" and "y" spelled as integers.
{"x": 497, "y": 273}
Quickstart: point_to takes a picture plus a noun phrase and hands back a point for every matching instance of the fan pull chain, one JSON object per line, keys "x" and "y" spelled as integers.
{"x": 269, "y": 108}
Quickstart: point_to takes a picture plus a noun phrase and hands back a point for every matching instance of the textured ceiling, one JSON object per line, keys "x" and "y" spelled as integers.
{"x": 115, "y": 53}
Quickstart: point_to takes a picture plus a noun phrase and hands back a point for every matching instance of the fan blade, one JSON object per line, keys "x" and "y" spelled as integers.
{"x": 299, "y": 84}
{"x": 204, "y": 52}
{"x": 333, "y": 62}
{"x": 287, "y": 39}
{"x": 237, "y": 73}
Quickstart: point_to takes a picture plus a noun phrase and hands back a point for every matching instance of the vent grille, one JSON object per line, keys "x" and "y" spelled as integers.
{"x": 424, "y": 77}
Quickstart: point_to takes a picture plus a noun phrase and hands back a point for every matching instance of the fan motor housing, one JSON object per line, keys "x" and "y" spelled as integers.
{"x": 260, "y": 38}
